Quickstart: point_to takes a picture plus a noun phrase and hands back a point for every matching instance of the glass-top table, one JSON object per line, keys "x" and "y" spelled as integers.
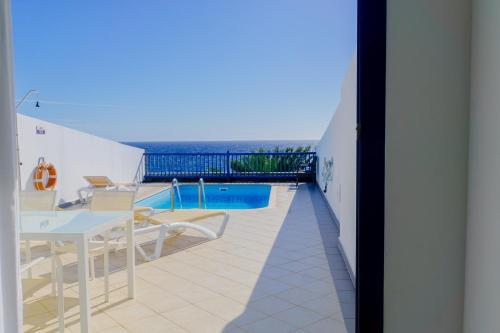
{"x": 79, "y": 226}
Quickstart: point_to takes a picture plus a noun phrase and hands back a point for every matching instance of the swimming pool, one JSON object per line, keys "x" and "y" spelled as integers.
{"x": 218, "y": 196}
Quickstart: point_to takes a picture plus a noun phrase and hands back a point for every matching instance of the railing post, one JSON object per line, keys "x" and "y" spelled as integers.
{"x": 228, "y": 165}
{"x": 199, "y": 196}
{"x": 172, "y": 199}
{"x": 143, "y": 168}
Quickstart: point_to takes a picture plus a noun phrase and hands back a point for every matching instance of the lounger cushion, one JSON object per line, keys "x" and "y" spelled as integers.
{"x": 188, "y": 215}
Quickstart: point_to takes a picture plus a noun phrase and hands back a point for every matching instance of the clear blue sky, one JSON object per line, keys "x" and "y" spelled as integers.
{"x": 185, "y": 69}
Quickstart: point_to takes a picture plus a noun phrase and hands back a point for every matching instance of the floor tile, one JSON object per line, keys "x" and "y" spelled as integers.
{"x": 161, "y": 302}
{"x": 297, "y": 279}
{"x": 230, "y": 310}
{"x": 343, "y": 285}
{"x": 99, "y": 321}
{"x": 326, "y": 325}
{"x": 348, "y": 310}
{"x": 195, "y": 319}
{"x": 115, "y": 329}
{"x": 129, "y": 312}
{"x": 153, "y": 324}
{"x": 325, "y": 306}
{"x": 297, "y": 296}
{"x": 269, "y": 325}
{"x": 346, "y": 296}
{"x": 321, "y": 287}
{"x": 350, "y": 325}
{"x": 298, "y": 316}
{"x": 270, "y": 305}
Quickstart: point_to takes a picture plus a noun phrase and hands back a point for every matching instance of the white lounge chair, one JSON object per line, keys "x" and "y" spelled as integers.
{"x": 167, "y": 223}
{"x": 174, "y": 222}
{"x": 164, "y": 223}
{"x": 102, "y": 183}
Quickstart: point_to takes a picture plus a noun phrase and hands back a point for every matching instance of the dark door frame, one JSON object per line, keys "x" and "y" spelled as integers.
{"x": 370, "y": 178}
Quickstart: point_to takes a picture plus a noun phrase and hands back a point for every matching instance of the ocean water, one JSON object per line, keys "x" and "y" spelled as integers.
{"x": 217, "y": 146}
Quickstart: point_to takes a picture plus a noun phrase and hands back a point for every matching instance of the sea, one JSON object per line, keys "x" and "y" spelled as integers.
{"x": 218, "y": 146}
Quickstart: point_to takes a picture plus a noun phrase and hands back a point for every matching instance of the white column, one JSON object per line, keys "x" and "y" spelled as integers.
{"x": 10, "y": 293}
{"x": 427, "y": 115}
{"x": 482, "y": 295}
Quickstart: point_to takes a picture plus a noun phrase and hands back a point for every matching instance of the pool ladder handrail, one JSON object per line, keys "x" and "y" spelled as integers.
{"x": 175, "y": 185}
{"x": 202, "y": 198}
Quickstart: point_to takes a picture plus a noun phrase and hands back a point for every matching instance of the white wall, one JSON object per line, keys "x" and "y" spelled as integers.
{"x": 339, "y": 142}
{"x": 482, "y": 296}
{"x": 74, "y": 154}
{"x": 427, "y": 109}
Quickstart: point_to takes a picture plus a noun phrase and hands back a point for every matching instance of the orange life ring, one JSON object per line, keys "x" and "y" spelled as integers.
{"x": 40, "y": 172}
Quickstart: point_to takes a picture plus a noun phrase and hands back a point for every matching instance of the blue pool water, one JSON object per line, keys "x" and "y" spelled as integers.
{"x": 218, "y": 196}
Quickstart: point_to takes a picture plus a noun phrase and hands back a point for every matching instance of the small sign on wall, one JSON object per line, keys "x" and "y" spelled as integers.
{"x": 327, "y": 172}
{"x": 40, "y": 130}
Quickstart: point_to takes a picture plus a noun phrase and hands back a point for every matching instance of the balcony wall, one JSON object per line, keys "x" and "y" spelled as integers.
{"x": 482, "y": 296}
{"x": 427, "y": 115}
{"x": 75, "y": 154}
{"x": 339, "y": 142}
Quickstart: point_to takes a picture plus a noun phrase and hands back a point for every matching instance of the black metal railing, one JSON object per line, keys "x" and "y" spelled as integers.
{"x": 229, "y": 166}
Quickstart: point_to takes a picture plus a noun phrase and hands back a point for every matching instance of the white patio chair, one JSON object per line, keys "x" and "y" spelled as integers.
{"x": 102, "y": 200}
{"x": 43, "y": 201}
{"x": 60, "y": 288}
{"x": 35, "y": 201}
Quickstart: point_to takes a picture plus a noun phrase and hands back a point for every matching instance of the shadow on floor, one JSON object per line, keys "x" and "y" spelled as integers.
{"x": 304, "y": 284}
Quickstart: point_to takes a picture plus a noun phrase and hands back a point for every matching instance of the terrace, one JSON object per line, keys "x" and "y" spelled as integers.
{"x": 276, "y": 269}
{"x": 284, "y": 268}
{"x": 287, "y": 267}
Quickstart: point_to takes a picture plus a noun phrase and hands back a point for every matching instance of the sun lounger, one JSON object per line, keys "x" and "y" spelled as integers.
{"x": 102, "y": 183}
{"x": 171, "y": 223}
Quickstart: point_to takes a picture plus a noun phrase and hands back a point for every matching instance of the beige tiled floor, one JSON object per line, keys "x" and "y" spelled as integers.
{"x": 274, "y": 270}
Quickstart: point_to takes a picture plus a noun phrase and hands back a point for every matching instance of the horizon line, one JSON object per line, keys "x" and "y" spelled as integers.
{"x": 237, "y": 140}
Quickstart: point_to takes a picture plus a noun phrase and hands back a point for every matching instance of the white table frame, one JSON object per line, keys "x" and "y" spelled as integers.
{"x": 81, "y": 242}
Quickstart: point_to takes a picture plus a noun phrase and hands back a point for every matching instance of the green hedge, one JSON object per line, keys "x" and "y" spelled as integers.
{"x": 272, "y": 163}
